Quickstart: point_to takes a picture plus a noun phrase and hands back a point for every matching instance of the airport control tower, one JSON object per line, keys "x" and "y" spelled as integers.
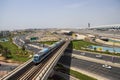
{"x": 88, "y": 25}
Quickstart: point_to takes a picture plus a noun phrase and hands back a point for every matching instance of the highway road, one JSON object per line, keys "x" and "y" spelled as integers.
{"x": 5, "y": 67}
{"x": 92, "y": 67}
{"x": 19, "y": 41}
{"x": 93, "y": 55}
{"x": 31, "y": 48}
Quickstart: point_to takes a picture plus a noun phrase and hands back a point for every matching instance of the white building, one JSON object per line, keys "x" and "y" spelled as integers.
{"x": 80, "y": 37}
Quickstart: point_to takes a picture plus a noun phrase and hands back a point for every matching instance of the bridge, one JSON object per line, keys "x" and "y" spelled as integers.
{"x": 30, "y": 71}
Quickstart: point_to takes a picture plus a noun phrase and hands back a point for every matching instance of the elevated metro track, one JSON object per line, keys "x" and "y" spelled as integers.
{"x": 30, "y": 71}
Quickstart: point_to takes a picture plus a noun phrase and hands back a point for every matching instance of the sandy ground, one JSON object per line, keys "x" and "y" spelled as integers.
{"x": 2, "y": 73}
{"x": 8, "y": 62}
{"x": 6, "y": 66}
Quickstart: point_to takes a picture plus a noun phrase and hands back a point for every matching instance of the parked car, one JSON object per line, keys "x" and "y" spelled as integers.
{"x": 82, "y": 53}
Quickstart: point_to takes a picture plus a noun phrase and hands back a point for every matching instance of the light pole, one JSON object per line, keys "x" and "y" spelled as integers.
{"x": 113, "y": 44}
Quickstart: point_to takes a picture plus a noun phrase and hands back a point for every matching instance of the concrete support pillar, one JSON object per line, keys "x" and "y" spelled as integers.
{"x": 52, "y": 73}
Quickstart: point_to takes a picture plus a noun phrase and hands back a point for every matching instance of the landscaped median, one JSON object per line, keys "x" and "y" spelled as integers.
{"x": 11, "y": 52}
{"x": 73, "y": 73}
{"x": 84, "y": 46}
{"x": 48, "y": 42}
{"x": 81, "y": 44}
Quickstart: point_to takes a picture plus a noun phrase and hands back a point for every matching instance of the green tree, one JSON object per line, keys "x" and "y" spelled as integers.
{"x": 6, "y": 53}
{"x": 23, "y": 48}
{"x": 0, "y": 51}
{"x": 95, "y": 48}
{"x": 1, "y": 47}
{"x": 107, "y": 51}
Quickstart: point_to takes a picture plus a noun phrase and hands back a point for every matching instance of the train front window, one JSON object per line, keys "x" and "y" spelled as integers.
{"x": 35, "y": 57}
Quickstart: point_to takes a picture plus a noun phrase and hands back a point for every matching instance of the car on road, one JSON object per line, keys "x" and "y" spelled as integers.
{"x": 82, "y": 53}
{"x": 98, "y": 56}
{"x": 106, "y": 66}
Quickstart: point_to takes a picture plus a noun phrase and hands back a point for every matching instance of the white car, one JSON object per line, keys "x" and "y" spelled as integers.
{"x": 99, "y": 56}
{"x": 82, "y": 53}
{"x": 106, "y": 66}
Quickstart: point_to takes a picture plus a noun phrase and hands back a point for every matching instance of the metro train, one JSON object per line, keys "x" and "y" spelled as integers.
{"x": 37, "y": 58}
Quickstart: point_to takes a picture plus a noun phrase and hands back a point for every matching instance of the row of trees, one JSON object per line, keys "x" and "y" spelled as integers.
{"x": 5, "y": 52}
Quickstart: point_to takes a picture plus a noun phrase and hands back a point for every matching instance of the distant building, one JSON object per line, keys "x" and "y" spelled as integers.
{"x": 108, "y": 27}
{"x": 78, "y": 36}
{"x": 66, "y": 32}
{"x": 34, "y": 38}
{"x": 4, "y": 33}
{"x": 91, "y": 36}
{"x": 3, "y": 40}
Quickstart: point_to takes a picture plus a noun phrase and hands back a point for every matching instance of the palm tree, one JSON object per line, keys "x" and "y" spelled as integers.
{"x": 95, "y": 48}
{"x": 23, "y": 48}
{"x": 6, "y": 53}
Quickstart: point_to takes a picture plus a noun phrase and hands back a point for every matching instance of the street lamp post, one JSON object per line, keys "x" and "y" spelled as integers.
{"x": 113, "y": 44}
{"x": 112, "y": 58}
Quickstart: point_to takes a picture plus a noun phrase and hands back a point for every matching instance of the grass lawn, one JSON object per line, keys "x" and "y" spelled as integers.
{"x": 78, "y": 44}
{"x": 16, "y": 53}
{"x": 80, "y": 75}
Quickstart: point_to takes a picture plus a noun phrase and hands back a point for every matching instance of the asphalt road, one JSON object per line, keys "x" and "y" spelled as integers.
{"x": 112, "y": 74}
{"x": 18, "y": 42}
{"x": 4, "y": 67}
{"x": 31, "y": 48}
{"x": 93, "y": 55}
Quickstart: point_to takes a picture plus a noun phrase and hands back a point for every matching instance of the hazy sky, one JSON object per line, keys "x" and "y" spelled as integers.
{"x": 20, "y": 14}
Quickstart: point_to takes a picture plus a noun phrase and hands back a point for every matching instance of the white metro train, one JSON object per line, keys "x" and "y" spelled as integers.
{"x": 37, "y": 58}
